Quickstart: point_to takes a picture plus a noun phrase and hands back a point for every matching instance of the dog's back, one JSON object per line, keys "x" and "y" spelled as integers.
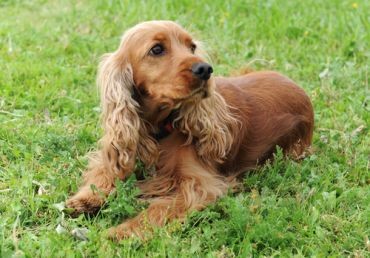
{"x": 275, "y": 112}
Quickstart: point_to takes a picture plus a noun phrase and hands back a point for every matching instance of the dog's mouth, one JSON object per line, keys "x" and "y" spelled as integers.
{"x": 200, "y": 93}
{"x": 196, "y": 95}
{"x": 169, "y": 114}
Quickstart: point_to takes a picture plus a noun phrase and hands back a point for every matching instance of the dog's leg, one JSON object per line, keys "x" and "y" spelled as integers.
{"x": 98, "y": 183}
{"x": 296, "y": 136}
{"x": 182, "y": 184}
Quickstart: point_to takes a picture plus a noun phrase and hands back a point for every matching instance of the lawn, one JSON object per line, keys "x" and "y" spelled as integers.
{"x": 49, "y": 120}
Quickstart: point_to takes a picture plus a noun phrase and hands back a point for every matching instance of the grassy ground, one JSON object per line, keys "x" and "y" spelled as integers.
{"x": 49, "y": 113}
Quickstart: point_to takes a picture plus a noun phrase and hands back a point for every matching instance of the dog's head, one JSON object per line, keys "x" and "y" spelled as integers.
{"x": 157, "y": 68}
{"x": 164, "y": 68}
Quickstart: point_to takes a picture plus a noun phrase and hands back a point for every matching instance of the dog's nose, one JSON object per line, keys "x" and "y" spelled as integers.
{"x": 202, "y": 70}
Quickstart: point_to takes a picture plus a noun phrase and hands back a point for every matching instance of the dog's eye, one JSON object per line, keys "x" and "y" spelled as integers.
{"x": 193, "y": 47}
{"x": 157, "y": 50}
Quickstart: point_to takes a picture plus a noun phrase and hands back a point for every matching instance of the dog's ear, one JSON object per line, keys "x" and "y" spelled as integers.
{"x": 210, "y": 125}
{"x": 125, "y": 134}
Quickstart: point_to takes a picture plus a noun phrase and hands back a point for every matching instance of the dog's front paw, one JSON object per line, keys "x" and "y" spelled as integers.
{"x": 119, "y": 233}
{"x": 85, "y": 201}
{"x": 125, "y": 230}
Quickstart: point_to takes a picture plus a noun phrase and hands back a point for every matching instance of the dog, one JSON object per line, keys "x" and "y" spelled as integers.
{"x": 162, "y": 106}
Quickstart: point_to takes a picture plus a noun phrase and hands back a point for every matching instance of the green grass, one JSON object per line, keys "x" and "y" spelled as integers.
{"x": 49, "y": 120}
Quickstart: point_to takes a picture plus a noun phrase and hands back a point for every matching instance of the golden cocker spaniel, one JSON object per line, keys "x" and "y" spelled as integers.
{"x": 161, "y": 105}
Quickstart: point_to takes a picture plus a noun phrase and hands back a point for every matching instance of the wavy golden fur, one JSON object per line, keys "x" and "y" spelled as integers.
{"x": 161, "y": 105}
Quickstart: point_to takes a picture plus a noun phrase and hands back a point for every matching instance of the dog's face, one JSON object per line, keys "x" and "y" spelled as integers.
{"x": 167, "y": 66}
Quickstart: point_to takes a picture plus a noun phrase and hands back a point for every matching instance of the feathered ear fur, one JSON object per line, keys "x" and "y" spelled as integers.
{"x": 125, "y": 134}
{"x": 210, "y": 125}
